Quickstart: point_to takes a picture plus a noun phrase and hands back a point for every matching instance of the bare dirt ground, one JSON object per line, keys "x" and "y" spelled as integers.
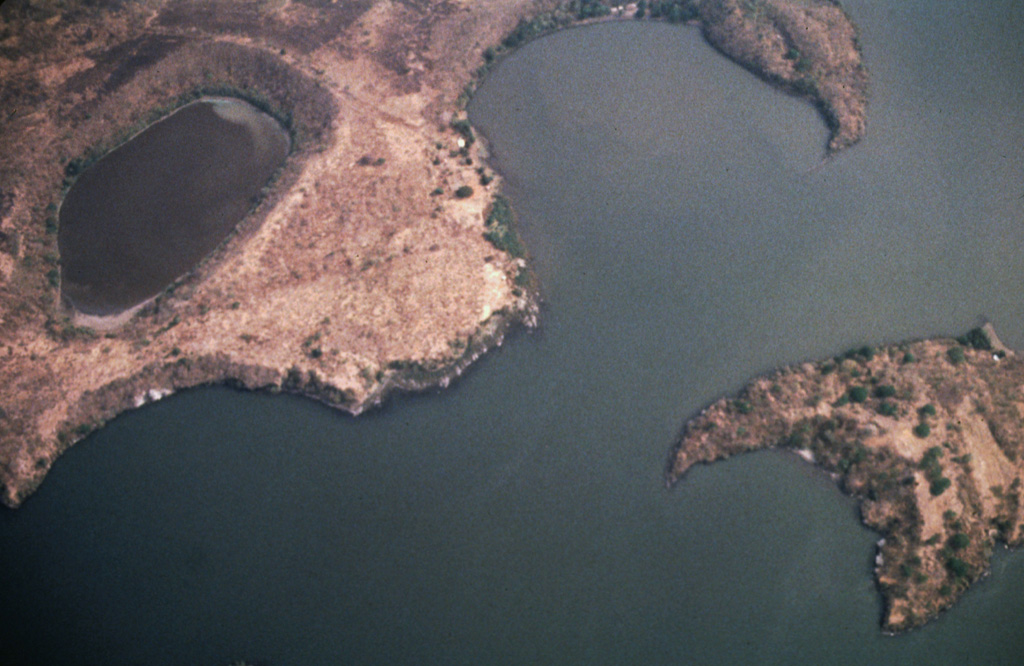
{"x": 926, "y": 435}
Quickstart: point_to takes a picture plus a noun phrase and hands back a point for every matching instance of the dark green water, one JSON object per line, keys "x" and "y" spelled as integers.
{"x": 147, "y": 212}
{"x": 687, "y": 237}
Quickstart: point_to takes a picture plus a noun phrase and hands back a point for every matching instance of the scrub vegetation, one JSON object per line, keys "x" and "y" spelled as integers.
{"x": 932, "y": 451}
{"x": 501, "y": 231}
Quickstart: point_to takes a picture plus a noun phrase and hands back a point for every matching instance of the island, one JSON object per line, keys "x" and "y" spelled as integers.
{"x": 928, "y": 436}
{"x": 380, "y": 257}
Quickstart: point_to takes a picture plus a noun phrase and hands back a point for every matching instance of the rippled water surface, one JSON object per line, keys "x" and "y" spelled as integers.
{"x": 687, "y": 236}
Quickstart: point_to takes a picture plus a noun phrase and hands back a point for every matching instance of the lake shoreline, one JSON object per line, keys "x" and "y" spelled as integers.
{"x": 279, "y": 328}
{"x": 354, "y": 318}
{"x": 919, "y": 433}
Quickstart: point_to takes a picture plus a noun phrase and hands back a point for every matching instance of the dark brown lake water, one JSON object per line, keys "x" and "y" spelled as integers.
{"x": 149, "y": 211}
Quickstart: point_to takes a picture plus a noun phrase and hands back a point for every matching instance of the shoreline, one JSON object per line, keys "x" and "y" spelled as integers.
{"x": 371, "y": 263}
{"x": 405, "y": 299}
{"x": 920, "y": 434}
{"x": 810, "y": 51}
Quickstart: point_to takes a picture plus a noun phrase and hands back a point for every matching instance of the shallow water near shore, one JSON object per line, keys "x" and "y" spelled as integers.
{"x": 150, "y": 210}
{"x": 687, "y": 236}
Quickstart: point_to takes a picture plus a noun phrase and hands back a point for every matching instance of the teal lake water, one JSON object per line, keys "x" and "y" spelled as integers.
{"x": 687, "y": 236}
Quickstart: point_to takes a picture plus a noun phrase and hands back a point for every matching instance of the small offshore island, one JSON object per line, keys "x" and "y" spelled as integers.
{"x": 380, "y": 256}
{"x": 928, "y": 436}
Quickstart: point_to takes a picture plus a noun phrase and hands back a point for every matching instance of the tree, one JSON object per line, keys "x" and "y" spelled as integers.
{"x": 885, "y": 391}
{"x": 959, "y": 541}
{"x": 958, "y": 567}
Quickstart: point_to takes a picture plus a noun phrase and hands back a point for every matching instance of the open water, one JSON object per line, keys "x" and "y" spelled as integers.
{"x": 687, "y": 236}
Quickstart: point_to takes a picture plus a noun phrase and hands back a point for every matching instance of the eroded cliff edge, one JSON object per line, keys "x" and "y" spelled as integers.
{"x": 928, "y": 436}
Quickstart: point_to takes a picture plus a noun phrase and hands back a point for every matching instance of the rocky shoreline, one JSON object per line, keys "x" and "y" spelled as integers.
{"x": 928, "y": 436}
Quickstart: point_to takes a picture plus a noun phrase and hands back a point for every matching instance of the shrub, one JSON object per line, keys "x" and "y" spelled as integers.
{"x": 887, "y": 408}
{"x": 743, "y": 406}
{"x": 465, "y": 129}
{"x": 959, "y": 541}
{"x": 858, "y": 394}
{"x": 909, "y": 358}
{"x": 927, "y": 410}
{"x": 527, "y": 30}
{"x": 956, "y": 355}
{"x": 978, "y": 339}
{"x": 500, "y": 232}
{"x": 958, "y": 567}
{"x": 464, "y": 192}
{"x": 939, "y": 486}
{"x": 922, "y": 430}
{"x": 591, "y": 9}
{"x": 885, "y": 391}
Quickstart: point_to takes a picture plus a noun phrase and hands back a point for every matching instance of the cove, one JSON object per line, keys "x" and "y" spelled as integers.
{"x": 686, "y": 236}
{"x": 147, "y": 212}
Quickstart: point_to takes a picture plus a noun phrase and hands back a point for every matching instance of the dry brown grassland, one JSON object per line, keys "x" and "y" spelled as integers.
{"x": 349, "y": 279}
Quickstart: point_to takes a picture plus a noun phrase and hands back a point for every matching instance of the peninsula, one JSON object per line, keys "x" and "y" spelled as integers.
{"x": 380, "y": 257}
{"x": 928, "y": 436}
